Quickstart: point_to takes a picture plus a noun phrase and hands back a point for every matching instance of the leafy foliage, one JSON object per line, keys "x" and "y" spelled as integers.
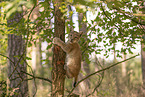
{"x": 114, "y": 22}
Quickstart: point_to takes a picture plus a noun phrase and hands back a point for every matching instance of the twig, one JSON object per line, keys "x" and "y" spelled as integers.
{"x": 46, "y": 79}
{"x": 13, "y": 64}
{"x": 124, "y": 13}
{"x": 7, "y": 58}
{"x": 110, "y": 20}
{"x": 99, "y": 83}
{"x": 134, "y": 20}
{"x": 26, "y": 41}
{"x": 33, "y": 78}
{"x": 26, "y": 12}
{"x": 100, "y": 77}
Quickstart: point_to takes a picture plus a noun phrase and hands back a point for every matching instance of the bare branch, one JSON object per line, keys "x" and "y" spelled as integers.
{"x": 100, "y": 71}
{"x": 46, "y": 79}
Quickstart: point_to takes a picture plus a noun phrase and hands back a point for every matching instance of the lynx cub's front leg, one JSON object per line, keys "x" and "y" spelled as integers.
{"x": 66, "y": 48}
{"x": 57, "y": 41}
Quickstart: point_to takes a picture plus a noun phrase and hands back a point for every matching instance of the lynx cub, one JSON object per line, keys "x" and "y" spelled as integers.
{"x": 72, "y": 49}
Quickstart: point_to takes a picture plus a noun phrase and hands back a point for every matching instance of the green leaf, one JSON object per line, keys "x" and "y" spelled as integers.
{"x": 28, "y": 58}
{"x": 29, "y": 44}
{"x": 49, "y": 46}
{"x": 144, "y": 49}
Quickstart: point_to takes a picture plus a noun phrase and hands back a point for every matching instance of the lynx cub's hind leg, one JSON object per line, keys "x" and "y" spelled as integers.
{"x": 75, "y": 81}
{"x": 68, "y": 73}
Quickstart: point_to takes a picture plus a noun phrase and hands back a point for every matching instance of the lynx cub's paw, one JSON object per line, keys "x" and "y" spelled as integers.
{"x": 56, "y": 40}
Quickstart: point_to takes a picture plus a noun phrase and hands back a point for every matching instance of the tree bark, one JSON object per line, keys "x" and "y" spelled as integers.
{"x": 143, "y": 68}
{"x": 17, "y": 79}
{"x": 58, "y": 72}
{"x": 116, "y": 74}
{"x": 124, "y": 67}
{"x": 143, "y": 63}
{"x": 143, "y": 54}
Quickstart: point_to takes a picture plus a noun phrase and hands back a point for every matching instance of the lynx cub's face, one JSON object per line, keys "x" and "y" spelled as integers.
{"x": 74, "y": 37}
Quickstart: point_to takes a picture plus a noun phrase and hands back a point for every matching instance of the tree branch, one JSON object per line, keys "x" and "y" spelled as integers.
{"x": 46, "y": 79}
{"x": 110, "y": 20}
{"x": 101, "y": 71}
{"x": 124, "y": 13}
{"x": 132, "y": 19}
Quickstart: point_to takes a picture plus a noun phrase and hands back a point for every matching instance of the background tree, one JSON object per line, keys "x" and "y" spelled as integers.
{"x": 17, "y": 65}
{"x": 143, "y": 51}
{"x": 84, "y": 44}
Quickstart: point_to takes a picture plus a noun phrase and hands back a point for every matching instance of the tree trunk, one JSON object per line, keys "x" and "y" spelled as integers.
{"x": 124, "y": 67}
{"x": 116, "y": 74}
{"x": 17, "y": 79}
{"x": 58, "y": 72}
{"x": 143, "y": 54}
{"x": 142, "y": 93}
{"x": 85, "y": 67}
{"x": 34, "y": 58}
{"x": 36, "y": 50}
{"x": 70, "y": 19}
{"x": 17, "y": 52}
{"x": 143, "y": 63}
